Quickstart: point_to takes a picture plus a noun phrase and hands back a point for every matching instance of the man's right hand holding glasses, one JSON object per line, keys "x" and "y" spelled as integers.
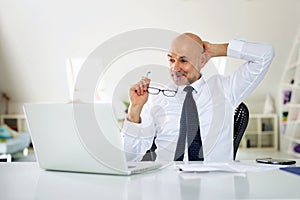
{"x": 138, "y": 97}
{"x": 139, "y": 94}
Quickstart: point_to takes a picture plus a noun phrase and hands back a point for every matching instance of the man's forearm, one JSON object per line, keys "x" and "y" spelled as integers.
{"x": 134, "y": 113}
{"x": 219, "y": 50}
{"x": 215, "y": 50}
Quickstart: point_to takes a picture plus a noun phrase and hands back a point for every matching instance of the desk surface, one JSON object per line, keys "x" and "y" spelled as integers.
{"x": 28, "y": 181}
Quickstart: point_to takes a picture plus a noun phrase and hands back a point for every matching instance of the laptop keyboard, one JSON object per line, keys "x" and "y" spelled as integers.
{"x": 140, "y": 167}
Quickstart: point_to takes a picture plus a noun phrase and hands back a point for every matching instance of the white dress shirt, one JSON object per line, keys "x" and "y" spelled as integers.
{"x": 216, "y": 96}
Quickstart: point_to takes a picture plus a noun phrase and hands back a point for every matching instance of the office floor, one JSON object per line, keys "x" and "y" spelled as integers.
{"x": 242, "y": 154}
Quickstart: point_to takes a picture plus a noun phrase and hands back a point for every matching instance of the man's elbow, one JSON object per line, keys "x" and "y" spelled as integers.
{"x": 269, "y": 54}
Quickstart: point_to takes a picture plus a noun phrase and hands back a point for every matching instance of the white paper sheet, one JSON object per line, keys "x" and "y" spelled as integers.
{"x": 236, "y": 167}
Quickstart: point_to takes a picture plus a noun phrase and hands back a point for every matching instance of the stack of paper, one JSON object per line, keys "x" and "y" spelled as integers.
{"x": 237, "y": 167}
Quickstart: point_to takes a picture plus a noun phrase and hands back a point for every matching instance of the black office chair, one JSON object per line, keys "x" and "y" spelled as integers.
{"x": 241, "y": 118}
{"x": 150, "y": 155}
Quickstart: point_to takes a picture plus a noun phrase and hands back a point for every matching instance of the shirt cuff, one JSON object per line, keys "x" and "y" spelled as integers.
{"x": 137, "y": 130}
{"x": 132, "y": 129}
{"x": 235, "y": 48}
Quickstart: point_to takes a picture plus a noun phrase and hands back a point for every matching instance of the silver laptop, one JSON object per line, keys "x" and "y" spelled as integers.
{"x": 81, "y": 137}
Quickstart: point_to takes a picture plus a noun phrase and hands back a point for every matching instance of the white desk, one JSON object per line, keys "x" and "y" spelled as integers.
{"x": 28, "y": 181}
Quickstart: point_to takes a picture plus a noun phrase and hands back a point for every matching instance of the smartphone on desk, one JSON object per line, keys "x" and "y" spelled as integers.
{"x": 275, "y": 161}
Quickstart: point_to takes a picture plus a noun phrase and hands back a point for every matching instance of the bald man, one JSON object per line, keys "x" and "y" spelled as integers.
{"x": 216, "y": 98}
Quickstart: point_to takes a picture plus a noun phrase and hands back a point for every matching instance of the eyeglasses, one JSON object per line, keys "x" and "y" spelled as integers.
{"x": 156, "y": 91}
{"x": 167, "y": 93}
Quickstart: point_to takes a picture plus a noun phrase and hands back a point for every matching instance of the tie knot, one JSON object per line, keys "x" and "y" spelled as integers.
{"x": 188, "y": 89}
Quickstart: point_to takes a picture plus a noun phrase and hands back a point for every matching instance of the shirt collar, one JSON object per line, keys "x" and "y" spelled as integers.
{"x": 197, "y": 84}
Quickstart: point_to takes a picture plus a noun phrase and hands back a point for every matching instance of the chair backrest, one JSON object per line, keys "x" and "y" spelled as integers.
{"x": 150, "y": 154}
{"x": 241, "y": 118}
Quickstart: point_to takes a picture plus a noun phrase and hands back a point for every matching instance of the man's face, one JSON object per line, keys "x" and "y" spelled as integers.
{"x": 185, "y": 61}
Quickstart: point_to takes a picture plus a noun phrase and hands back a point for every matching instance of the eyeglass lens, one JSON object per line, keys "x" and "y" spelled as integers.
{"x": 155, "y": 91}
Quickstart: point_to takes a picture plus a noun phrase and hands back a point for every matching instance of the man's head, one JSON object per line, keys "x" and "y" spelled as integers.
{"x": 186, "y": 58}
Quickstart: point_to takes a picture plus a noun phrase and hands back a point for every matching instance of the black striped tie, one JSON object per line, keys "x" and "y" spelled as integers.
{"x": 189, "y": 128}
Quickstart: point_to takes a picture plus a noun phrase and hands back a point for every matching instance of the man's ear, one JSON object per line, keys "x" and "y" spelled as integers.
{"x": 204, "y": 59}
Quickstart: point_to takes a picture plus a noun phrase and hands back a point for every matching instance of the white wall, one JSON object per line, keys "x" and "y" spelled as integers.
{"x": 36, "y": 37}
